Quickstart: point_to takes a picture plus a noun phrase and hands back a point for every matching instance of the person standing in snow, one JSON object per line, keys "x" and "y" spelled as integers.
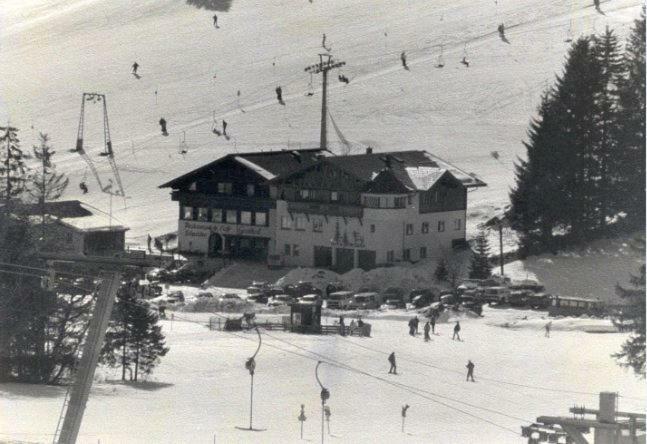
{"x": 215, "y": 21}
{"x": 279, "y": 95}
{"x": 547, "y": 328}
{"x": 470, "y": 371}
{"x": 149, "y": 239}
{"x": 403, "y": 58}
{"x": 433, "y": 323}
{"x": 426, "y": 329}
{"x": 416, "y": 321}
{"x": 224, "y": 127}
{"x": 162, "y": 123}
{"x": 135, "y": 66}
{"x": 393, "y": 370}
{"x": 342, "y": 326}
{"x": 457, "y": 329}
{"x": 412, "y": 328}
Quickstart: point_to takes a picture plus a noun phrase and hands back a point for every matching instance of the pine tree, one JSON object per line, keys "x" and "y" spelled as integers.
{"x": 441, "y": 273}
{"x": 606, "y": 51}
{"x": 536, "y": 200}
{"x": 577, "y": 114}
{"x": 633, "y": 350}
{"x": 13, "y": 171}
{"x": 630, "y": 135}
{"x": 480, "y": 267}
{"x": 134, "y": 340}
{"x": 46, "y": 184}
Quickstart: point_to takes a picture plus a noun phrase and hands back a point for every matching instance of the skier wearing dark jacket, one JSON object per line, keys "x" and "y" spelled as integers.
{"x": 393, "y": 369}
{"x": 457, "y": 329}
{"x": 427, "y": 328}
{"x": 470, "y": 371}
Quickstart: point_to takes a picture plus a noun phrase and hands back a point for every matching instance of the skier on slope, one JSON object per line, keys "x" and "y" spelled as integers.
{"x": 596, "y": 3}
{"x": 457, "y": 329}
{"x": 162, "y": 123}
{"x": 83, "y": 187}
{"x": 470, "y": 371}
{"x": 224, "y": 127}
{"x": 279, "y": 95}
{"x": 433, "y": 323}
{"x": 412, "y": 327}
{"x": 393, "y": 370}
{"x": 547, "y": 328}
{"x": 426, "y": 329}
{"x": 403, "y": 58}
{"x": 215, "y": 21}
{"x": 135, "y": 67}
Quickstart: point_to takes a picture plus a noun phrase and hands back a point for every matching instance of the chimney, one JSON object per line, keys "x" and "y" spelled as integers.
{"x": 369, "y": 150}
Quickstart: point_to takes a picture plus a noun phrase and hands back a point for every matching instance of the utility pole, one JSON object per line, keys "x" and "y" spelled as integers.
{"x": 323, "y": 67}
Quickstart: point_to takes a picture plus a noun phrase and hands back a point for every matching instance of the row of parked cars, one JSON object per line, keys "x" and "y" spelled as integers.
{"x": 335, "y": 296}
{"x": 523, "y": 294}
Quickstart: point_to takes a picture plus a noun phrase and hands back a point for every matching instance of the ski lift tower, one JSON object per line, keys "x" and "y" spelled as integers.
{"x": 326, "y": 63}
{"x": 110, "y": 270}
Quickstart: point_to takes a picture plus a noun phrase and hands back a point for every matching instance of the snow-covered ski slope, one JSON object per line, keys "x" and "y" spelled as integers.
{"x": 53, "y": 50}
{"x": 201, "y": 387}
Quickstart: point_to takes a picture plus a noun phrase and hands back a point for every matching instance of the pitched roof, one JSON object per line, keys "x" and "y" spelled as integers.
{"x": 73, "y": 214}
{"x": 267, "y": 164}
{"x": 417, "y": 170}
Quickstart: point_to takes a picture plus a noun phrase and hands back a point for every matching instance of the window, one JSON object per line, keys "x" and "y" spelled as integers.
{"x": 261, "y": 218}
{"x": 382, "y": 202}
{"x": 286, "y": 249}
{"x": 317, "y": 225}
{"x": 409, "y": 199}
{"x": 250, "y": 189}
{"x": 441, "y": 225}
{"x": 193, "y": 186}
{"x": 334, "y": 196}
{"x": 246, "y": 217}
{"x": 399, "y": 202}
{"x": 187, "y": 213}
{"x": 203, "y": 214}
{"x": 423, "y": 252}
{"x": 371, "y": 201}
{"x": 305, "y": 194}
{"x": 295, "y": 250}
{"x": 406, "y": 254}
{"x": 68, "y": 238}
{"x": 409, "y": 229}
{"x": 225, "y": 187}
{"x": 232, "y": 216}
{"x": 457, "y": 224}
{"x": 372, "y": 228}
{"x": 300, "y": 223}
{"x": 286, "y": 223}
{"x": 425, "y": 227}
{"x": 216, "y": 215}
{"x": 390, "y": 256}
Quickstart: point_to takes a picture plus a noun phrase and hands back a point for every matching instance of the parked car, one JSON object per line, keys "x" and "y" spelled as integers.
{"x": 333, "y": 287}
{"x": 260, "y": 298}
{"x": 178, "y": 295}
{"x": 301, "y": 288}
{"x": 204, "y": 294}
{"x": 340, "y": 300}
{"x": 527, "y": 285}
{"x": 309, "y": 299}
{"x": 280, "y": 300}
{"x": 497, "y": 295}
{"x": 421, "y": 297}
{"x": 540, "y": 301}
{"x": 157, "y": 274}
{"x": 229, "y": 297}
{"x": 365, "y": 301}
{"x": 393, "y": 303}
{"x": 470, "y": 284}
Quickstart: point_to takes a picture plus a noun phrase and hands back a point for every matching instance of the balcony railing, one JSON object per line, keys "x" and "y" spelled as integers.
{"x": 325, "y": 209}
{"x": 222, "y": 201}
